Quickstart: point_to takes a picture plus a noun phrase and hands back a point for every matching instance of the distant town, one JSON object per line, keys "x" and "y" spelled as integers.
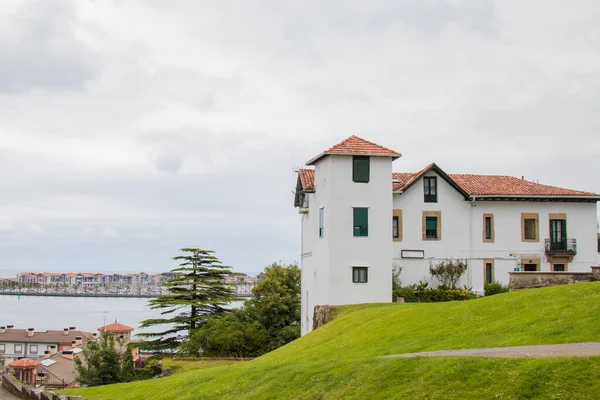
{"x": 99, "y": 284}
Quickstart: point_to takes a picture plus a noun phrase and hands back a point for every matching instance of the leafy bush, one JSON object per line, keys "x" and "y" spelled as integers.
{"x": 494, "y": 288}
{"x": 448, "y": 272}
{"x": 419, "y": 293}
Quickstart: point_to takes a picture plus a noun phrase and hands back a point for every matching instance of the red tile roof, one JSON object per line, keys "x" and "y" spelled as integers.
{"x": 474, "y": 185}
{"x": 496, "y": 185}
{"x": 115, "y": 328}
{"x": 356, "y": 146}
{"x": 25, "y": 363}
{"x": 307, "y": 178}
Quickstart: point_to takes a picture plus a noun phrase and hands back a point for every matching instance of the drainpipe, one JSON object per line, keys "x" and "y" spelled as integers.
{"x": 470, "y": 269}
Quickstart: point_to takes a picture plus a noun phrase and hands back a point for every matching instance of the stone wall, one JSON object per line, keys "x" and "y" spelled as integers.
{"x": 526, "y": 280}
{"x": 26, "y": 392}
{"x": 321, "y": 316}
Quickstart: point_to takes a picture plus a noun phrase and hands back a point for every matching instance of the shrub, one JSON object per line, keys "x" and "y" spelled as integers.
{"x": 419, "y": 293}
{"x": 494, "y": 288}
{"x": 448, "y": 272}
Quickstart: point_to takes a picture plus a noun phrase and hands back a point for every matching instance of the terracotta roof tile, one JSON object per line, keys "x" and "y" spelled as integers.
{"x": 307, "y": 178}
{"x": 24, "y": 363}
{"x": 115, "y": 328}
{"x": 474, "y": 185}
{"x": 356, "y": 146}
{"x": 490, "y": 185}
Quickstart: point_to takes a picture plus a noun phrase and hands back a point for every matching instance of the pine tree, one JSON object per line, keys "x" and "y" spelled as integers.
{"x": 197, "y": 290}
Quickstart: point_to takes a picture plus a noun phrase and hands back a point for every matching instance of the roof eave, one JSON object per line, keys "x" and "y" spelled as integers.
{"x": 325, "y": 154}
{"x": 520, "y": 196}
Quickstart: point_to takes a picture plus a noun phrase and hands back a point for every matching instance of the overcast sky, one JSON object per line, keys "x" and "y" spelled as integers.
{"x": 131, "y": 128}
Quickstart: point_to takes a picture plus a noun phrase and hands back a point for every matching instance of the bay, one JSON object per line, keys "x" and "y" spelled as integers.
{"x": 85, "y": 313}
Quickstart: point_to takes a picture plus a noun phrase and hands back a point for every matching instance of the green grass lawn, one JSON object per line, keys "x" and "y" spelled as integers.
{"x": 336, "y": 360}
{"x": 180, "y": 366}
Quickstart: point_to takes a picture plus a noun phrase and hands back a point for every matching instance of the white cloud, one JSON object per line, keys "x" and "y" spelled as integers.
{"x": 161, "y": 126}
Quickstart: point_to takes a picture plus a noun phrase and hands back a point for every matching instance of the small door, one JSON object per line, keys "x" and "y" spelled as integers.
{"x": 529, "y": 267}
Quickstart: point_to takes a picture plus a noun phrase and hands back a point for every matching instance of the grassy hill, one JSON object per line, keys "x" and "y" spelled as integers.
{"x": 337, "y": 360}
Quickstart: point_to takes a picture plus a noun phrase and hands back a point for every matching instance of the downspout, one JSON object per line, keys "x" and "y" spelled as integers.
{"x": 470, "y": 269}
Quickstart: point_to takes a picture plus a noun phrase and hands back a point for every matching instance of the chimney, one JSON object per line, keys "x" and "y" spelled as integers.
{"x": 522, "y": 177}
{"x": 78, "y": 340}
{"x": 66, "y": 332}
{"x": 2, "y": 329}
{"x": 72, "y": 328}
{"x": 9, "y": 328}
{"x": 73, "y": 343}
{"x": 68, "y": 354}
{"x": 94, "y": 337}
{"x": 46, "y": 354}
{"x": 52, "y": 350}
{"x": 30, "y": 332}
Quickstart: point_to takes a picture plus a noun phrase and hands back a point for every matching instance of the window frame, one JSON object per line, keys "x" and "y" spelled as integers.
{"x": 31, "y": 349}
{"x": 363, "y": 230}
{"x": 356, "y": 276}
{"x": 438, "y": 215}
{"x": 487, "y": 262}
{"x": 530, "y": 216}
{"x": 427, "y": 188}
{"x": 395, "y": 227}
{"x": 358, "y": 175}
{"x": 492, "y": 234}
{"x": 20, "y": 346}
{"x": 322, "y": 222}
{"x": 397, "y": 214}
{"x": 2, "y": 348}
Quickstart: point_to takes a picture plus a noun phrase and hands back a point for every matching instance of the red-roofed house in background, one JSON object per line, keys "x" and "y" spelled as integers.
{"x": 359, "y": 220}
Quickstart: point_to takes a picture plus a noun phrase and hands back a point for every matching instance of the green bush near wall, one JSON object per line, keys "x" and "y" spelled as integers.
{"x": 419, "y": 293}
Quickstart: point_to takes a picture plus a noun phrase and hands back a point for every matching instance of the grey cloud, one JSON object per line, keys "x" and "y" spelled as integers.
{"x": 39, "y": 49}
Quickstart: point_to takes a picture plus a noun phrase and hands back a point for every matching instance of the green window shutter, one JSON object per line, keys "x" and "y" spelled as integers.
{"x": 361, "y": 221}
{"x": 431, "y": 223}
{"x": 361, "y": 166}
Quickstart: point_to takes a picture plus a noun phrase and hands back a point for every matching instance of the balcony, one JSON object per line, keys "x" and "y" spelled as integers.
{"x": 566, "y": 247}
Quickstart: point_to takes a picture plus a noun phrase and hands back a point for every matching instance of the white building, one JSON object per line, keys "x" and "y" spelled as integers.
{"x": 359, "y": 220}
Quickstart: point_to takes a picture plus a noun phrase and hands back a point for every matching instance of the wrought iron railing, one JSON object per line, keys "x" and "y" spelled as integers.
{"x": 561, "y": 246}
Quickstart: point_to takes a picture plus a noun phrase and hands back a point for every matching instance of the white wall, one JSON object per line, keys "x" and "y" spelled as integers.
{"x": 327, "y": 261}
{"x": 461, "y": 239}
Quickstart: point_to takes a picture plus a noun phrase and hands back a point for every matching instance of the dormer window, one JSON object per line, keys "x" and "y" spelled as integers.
{"x": 360, "y": 169}
{"x": 430, "y": 189}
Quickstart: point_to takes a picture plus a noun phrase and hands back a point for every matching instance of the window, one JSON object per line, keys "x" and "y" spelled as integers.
{"x": 488, "y": 228}
{"x": 397, "y": 225}
{"x": 361, "y": 221}
{"x": 530, "y": 227}
{"x": 360, "y": 274}
{"x": 395, "y": 222}
{"x": 33, "y": 349}
{"x": 18, "y": 348}
{"x": 2, "y": 348}
{"x": 558, "y": 234}
{"x": 321, "y": 222}
{"x": 430, "y": 189}
{"x": 489, "y": 271}
{"x": 432, "y": 225}
{"x": 558, "y": 267}
{"x": 360, "y": 168}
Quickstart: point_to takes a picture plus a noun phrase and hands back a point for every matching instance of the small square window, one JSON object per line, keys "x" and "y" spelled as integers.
{"x": 430, "y": 189}
{"x": 2, "y": 348}
{"x": 18, "y": 348}
{"x": 360, "y": 274}
{"x": 33, "y": 349}
{"x": 559, "y": 267}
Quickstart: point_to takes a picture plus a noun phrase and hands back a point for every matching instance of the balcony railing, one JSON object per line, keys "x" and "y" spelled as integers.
{"x": 563, "y": 246}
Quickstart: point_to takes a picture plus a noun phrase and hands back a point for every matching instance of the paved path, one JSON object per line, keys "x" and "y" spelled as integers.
{"x": 588, "y": 349}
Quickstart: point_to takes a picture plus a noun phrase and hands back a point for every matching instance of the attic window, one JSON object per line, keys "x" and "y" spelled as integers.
{"x": 430, "y": 189}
